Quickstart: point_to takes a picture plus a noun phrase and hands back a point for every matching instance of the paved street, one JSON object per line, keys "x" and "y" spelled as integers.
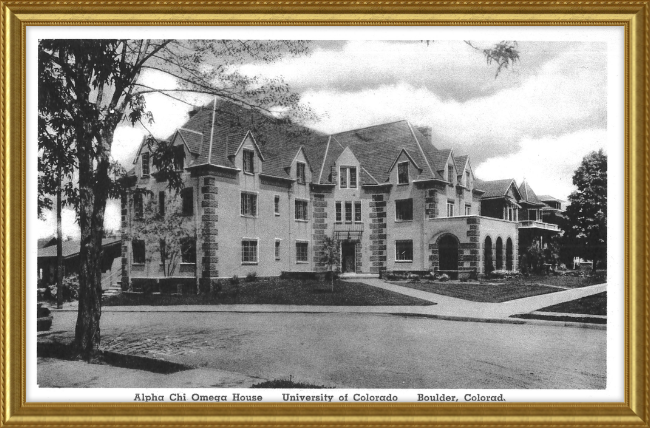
{"x": 358, "y": 350}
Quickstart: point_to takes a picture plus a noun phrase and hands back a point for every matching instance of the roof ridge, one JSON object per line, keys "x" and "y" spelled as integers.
{"x": 371, "y": 126}
{"x": 322, "y": 167}
{"x": 433, "y": 174}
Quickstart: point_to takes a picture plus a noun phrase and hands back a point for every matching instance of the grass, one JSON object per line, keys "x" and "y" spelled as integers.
{"x": 561, "y": 280}
{"x": 276, "y": 292}
{"x": 590, "y": 305}
{"x": 484, "y": 292}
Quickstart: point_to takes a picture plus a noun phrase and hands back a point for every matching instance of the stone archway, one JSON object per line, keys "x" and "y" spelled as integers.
{"x": 509, "y": 254}
{"x": 448, "y": 252}
{"x": 487, "y": 256}
{"x": 499, "y": 254}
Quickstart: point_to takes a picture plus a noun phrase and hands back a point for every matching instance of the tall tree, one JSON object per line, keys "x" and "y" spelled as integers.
{"x": 88, "y": 87}
{"x": 586, "y": 225}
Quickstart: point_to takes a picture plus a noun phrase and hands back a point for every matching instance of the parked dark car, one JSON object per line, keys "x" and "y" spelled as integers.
{"x": 44, "y": 321}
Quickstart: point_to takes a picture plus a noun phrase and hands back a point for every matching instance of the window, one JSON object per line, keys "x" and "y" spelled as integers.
{"x": 301, "y": 210}
{"x": 532, "y": 215}
{"x": 338, "y": 212}
{"x": 138, "y": 205}
{"x": 404, "y": 251}
{"x": 348, "y": 177}
{"x": 348, "y": 212}
{"x": 300, "y": 172}
{"x": 138, "y": 251}
{"x": 249, "y": 204}
{"x": 145, "y": 164}
{"x": 403, "y": 173}
{"x": 249, "y": 251}
{"x": 468, "y": 209}
{"x": 404, "y": 209}
{"x": 301, "y": 252}
{"x": 179, "y": 158}
{"x": 188, "y": 250}
{"x": 249, "y": 157}
{"x": 450, "y": 174}
{"x": 188, "y": 201}
{"x": 277, "y": 249}
{"x": 450, "y": 209}
{"x": 467, "y": 179}
{"x": 276, "y": 205}
{"x": 357, "y": 211}
{"x": 353, "y": 177}
{"x": 161, "y": 203}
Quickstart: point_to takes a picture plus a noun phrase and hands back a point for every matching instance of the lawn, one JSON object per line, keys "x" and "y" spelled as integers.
{"x": 484, "y": 292}
{"x": 276, "y": 292}
{"x": 561, "y": 280}
{"x": 590, "y": 305}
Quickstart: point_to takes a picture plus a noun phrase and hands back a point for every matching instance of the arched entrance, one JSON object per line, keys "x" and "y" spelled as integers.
{"x": 509, "y": 254}
{"x": 448, "y": 255}
{"x": 487, "y": 257}
{"x": 499, "y": 261}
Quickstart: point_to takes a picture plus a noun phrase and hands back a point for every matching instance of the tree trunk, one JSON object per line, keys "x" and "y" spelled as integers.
{"x": 59, "y": 242}
{"x": 93, "y": 192}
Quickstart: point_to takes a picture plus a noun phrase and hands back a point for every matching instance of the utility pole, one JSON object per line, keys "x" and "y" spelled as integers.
{"x": 59, "y": 241}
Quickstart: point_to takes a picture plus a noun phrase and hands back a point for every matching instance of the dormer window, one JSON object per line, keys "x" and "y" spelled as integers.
{"x": 300, "y": 173}
{"x": 450, "y": 174}
{"x": 179, "y": 158}
{"x": 403, "y": 173}
{"x": 348, "y": 177}
{"x": 249, "y": 157}
{"x": 145, "y": 164}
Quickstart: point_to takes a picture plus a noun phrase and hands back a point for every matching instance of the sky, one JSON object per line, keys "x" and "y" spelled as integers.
{"x": 534, "y": 121}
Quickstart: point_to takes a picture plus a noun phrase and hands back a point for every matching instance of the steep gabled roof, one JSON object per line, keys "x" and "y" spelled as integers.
{"x": 461, "y": 161}
{"x": 495, "y": 188}
{"x": 528, "y": 194}
{"x": 376, "y": 148}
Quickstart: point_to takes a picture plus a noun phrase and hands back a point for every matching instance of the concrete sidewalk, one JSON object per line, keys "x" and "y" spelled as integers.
{"x": 445, "y": 307}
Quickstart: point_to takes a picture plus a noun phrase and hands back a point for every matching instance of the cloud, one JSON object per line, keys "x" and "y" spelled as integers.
{"x": 450, "y": 69}
{"x": 565, "y": 95}
{"x": 547, "y": 163}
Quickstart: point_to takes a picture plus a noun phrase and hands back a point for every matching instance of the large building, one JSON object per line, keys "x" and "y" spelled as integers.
{"x": 263, "y": 194}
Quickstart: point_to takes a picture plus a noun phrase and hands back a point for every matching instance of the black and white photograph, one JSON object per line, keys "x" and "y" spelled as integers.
{"x": 239, "y": 218}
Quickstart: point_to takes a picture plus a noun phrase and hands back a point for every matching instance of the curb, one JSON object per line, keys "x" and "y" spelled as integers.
{"x": 518, "y": 321}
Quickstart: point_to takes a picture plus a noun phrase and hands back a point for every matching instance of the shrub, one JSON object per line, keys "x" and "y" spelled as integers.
{"x": 413, "y": 277}
{"x": 251, "y": 277}
{"x": 234, "y": 280}
{"x": 70, "y": 286}
{"x": 443, "y": 278}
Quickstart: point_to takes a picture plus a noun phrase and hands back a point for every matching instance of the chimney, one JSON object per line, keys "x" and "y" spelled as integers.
{"x": 194, "y": 111}
{"x": 427, "y": 131}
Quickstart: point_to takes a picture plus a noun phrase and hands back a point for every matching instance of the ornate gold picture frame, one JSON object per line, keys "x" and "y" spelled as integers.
{"x": 18, "y": 15}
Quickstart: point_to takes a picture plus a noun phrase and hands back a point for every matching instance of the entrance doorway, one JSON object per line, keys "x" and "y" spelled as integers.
{"x": 348, "y": 256}
{"x": 448, "y": 255}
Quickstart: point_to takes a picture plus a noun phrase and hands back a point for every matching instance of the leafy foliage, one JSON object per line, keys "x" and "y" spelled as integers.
{"x": 163, "y": 234}
{"x": 330, "y": 256}
{"x": 585, "y": 231}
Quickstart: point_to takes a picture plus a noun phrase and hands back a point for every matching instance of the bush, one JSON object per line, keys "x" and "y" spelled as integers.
{"x": 413, "y": 277}
{"x": 443, "y": 278}
{"x": 70, "y": 289}
{"x": 251, "y": 277}
{"x": 234, "y": 280}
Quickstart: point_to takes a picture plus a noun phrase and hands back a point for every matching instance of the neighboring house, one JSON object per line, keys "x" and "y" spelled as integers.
{"x": 47, "y": 261}
{"x": 503, "y": 199}
{"x": 553, "y": 211}
{"x": 263, "y": 195}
